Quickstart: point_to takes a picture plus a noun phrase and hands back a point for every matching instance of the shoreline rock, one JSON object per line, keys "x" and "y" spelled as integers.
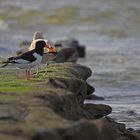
{"x": 58, "y": 112}
{"x": 94, "y": 97}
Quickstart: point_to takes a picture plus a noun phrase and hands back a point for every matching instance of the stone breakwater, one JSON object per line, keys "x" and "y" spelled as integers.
{"x": 59, "y": 112}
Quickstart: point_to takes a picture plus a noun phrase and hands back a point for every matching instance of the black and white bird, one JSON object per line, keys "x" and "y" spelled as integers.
{"x": 49, "y": 53}
{"x": 31, "y": 58}
{"x": 39, "y": 35}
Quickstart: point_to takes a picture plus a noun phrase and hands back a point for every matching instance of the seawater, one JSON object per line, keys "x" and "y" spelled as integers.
{"x": 109, "y": 29}
{"x": 116, "y": 77}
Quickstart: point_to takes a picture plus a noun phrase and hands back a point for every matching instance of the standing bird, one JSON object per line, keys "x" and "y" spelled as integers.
{"x": 49, "y": 52}
{"x": 29, "y": 59}
{"x": 47, "y": 56}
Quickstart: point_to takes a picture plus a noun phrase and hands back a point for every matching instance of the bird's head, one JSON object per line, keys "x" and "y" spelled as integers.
{"x": 45, "y": 46}
{"x": 50, "y": 48}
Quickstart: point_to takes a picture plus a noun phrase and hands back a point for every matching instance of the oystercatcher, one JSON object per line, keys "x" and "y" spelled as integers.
{"x": 31, "y": 58}
{"x": 49, "y": 52}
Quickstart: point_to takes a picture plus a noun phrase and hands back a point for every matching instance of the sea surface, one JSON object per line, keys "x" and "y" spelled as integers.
{"x": 109, "y": 29}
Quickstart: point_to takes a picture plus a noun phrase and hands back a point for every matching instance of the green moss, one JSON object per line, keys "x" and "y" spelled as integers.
{"x": 62, "y": 15}
{"x": 20, "y": 89}
{"x": 11, "y": 83}
{"x": 28, "y": 15}
{"x": 28, "y": 18}
{"x": 106, "y": 14}
{"x": 114, "y": 33}
{"x": 10, "y": 13}
{"x": 96, "y": 17}
{"x": 89, "y": 20}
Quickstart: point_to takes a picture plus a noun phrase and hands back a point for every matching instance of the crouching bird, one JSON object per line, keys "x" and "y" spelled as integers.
{"x": 30, "y": 58}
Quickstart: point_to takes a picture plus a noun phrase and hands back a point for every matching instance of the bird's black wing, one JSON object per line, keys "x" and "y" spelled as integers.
{"x": 28, "y": 56}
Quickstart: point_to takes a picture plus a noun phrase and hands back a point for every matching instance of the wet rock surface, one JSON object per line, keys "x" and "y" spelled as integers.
{"x": 56, "y": 111}
{"x": 72, "y": 43}
{"x": 94, "y": 97}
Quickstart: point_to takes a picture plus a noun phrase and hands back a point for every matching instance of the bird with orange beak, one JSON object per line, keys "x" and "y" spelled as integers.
{"x": 30, "y": 58}
{"x": 50, "y": 51}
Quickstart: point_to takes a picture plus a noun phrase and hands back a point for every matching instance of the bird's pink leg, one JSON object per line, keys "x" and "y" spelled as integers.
{"x": 28, "y": 74}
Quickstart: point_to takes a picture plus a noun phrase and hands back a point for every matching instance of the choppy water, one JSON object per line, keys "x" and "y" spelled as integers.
{"x": 111, "y": 31}
{"x": 116, "y": 77}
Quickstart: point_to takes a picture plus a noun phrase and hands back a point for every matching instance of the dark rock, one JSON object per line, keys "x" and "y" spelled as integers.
{"x": 94, "y": 97}
{"x": 82, "y": 72}
{"x": 108, "y": 132}
{"x": 67, "y": 43}
{"x": 47, "y": 135}
{"x": 132, "y": 135}
{"x": 81, "y": 51}
{"x": 76, "y": 111}
{"x": 12, "y": 137}
{"x": 67, "y": 55}
{"x": 82, "y": 131}
{"x": 119, "y": 126}
{"x": 57, "y": 44}
{"x": 90, "y": 89}
{"x": 131, "y": 113}
{"x": 69, "y": 83}
{"x": 97, "y": 130}
{"x": 72, "y": 43}
{"x": 130, "y": 129}
{"x": 138, "y": 131}
{"x": 96, "y": 111}
{"x": 12, "y": 113}
{"x": 123, "y": 138}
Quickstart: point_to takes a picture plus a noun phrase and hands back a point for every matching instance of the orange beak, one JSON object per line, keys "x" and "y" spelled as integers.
{"x": 51, "y": 49}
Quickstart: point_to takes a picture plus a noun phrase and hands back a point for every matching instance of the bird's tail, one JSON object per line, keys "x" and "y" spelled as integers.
{"x": 3, "y": 63}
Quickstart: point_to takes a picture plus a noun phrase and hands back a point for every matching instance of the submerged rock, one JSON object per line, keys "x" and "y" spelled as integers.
{"x": 94, "y": 97}
{"x": 72, "y": 43}
{"x": 67, "y": 55}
